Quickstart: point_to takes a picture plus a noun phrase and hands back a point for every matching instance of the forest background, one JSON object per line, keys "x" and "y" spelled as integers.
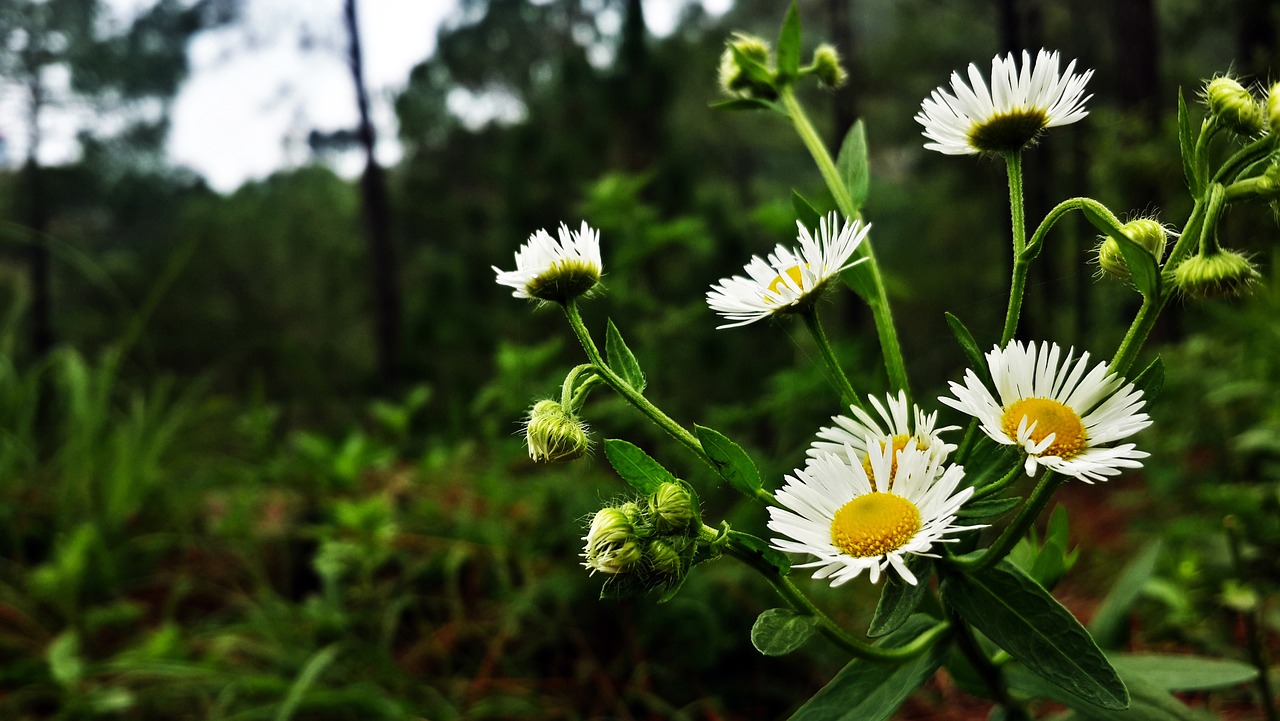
{"x": 260, "y": 453}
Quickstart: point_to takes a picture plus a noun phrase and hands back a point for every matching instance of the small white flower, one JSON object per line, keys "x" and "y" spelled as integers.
{"x": 1019, "y": 106}
{"x": 1060, "y": 416}
{"x": 853, "y": 521}
{"x": 561, "y": 270}
{"x": 791, "y": 278}
{"x": 894, "y": 428}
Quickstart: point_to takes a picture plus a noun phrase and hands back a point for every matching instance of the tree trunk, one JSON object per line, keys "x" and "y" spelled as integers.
{"x": 376, "y": 206}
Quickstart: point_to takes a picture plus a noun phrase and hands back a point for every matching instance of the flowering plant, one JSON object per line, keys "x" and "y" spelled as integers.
{"x": 886, "y": 494}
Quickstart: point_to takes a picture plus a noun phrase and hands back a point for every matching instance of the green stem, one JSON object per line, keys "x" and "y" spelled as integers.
{"x": 848, "y": 395}
{"x": 990, "y": 674}
{"x": 655, "y": 414}
{"x": 1018, "y": 284}
{"x": 1014, "y": 531}
{"x": 881, "y": 313}
{"x": 1017, "y": 288}
{"x": 993, "y": 488}
{"x": 1248, "y": 155}
{"x": 829, "y": 628}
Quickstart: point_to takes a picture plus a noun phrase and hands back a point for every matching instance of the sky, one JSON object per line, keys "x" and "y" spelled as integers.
{"x": 257, "y": 88}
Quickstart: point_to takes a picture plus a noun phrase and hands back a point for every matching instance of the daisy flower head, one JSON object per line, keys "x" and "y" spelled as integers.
{"x": 893, "y": 428}
{"x": 854, "y": 521}
{"x": 555, "y": 269}
{"x": 791, "y": 279}
{"x": 1061, "y": 416}
{"x": 1020, "y": 104}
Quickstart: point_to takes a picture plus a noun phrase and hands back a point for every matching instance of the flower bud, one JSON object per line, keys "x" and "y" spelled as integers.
{"x": 671, "y": 508}
{"x": 1222, "y": 273}
{"x": 735, "y": 80}
{"x": 1145, "y": 232}
{"x": 1234, "y": 106}
{"x": 612, "y": 546}
{"x": 1273, "y": 109}
{"x": 665, "y": 560}
{"x": 826, "y": 66}
{"x": 554, "y": 434}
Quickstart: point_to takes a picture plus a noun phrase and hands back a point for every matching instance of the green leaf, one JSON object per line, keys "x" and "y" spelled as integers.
{"x": 1151, "y": 380}
{"x": 1148, "y": 702}
{"x": 754, "y": 68}
{"x": 731, "y": 462}
{"x": 899, "y": 599}
{"x": 789, "y": 46}
{"x": 1110, "y": 624}
{"x": 66, "y": 665}
{"x": 315, "y": 666}
{"x": 1053, "y": 560}
{"x": 866, "y": 691}
{"x": 1184, "y": 673}
{"x": 970, "y": 347}
{"x": 621, "y": 360}
{"x": 1021, "y": 617}
{"x": 988, "y": 508}
{"x": 852, "y": 164}
{"x": 748, "y": 104}
{"x": 805, "y": 212}
{"x": 1187, "y": 145}
{"x": 779, "y": 631}
{"x": 1143, "y": 269}
{"x": 762, "y": 548}
{"x": 635, "y": 466}
{"x": 861, "y": 280}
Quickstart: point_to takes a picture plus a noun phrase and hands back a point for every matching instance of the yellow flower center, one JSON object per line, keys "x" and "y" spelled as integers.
{"x": 899, "y": 442}
{"x": 1049, "y": 416}
{"x": 1012, "y": 130}
{"x": 874, "y": 524}
{"x": 796, "y": 276}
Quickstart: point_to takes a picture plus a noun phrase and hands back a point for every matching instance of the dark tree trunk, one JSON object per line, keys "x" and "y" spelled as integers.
{"x": 1138, "y": 71}
{"x": 1257, "y": 39}
{"x": 377, "y": 220}
{"x": 845, "y": 102}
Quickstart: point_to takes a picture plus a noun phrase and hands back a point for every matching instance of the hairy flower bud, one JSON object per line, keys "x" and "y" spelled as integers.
{"x": 1222, "y": 273}
{"x": 1273, "y": 109}
{"x": 1234, "y": 106}
{"x": 554, "y": 434}
{"x": 671, "y": 508}
{"x": 827, "y": 67}
{"x": 1145, "y": 232}
{"x": 736, "y": 80}
{"x": 665, "y": 560}
{"x": 612, "y": 546}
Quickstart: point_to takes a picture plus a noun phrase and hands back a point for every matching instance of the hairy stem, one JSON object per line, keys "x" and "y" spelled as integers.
{"x": 847, "y": 394}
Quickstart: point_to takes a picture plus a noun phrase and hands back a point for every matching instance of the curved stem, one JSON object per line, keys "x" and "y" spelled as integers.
{"x": 993, "y": 488}
{"x": 848, "y": 395}
{"x": 881, "y": 313}
{"x": 1246, "y": 156}
{"x": 1017, "y": 289}
{"x": 1014, "y": 531}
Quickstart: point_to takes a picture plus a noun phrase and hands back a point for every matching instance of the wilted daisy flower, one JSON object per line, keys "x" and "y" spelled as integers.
{"x": 1059, "y": 415}
{"x": 894, "y": 428}
{"x": 853, "y": 521}
{"x": 791, "y": 278}
{"x": 1019, "y": 106}
{"x": 558, "y": 270}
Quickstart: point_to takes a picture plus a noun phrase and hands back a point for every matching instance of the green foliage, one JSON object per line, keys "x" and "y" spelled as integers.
{"x": 900, "y": 599}
{"x": 779, "y": 631}
{"x": 731, "y": 462}
{"x": 636, "y": 467}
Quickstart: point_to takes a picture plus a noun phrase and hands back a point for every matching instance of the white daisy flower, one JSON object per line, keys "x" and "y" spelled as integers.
{"x": 853, "y": 521}
{"x": 894, "y": 428}
{"x": 791, "y": 278}
{"x": 1012, "y": 114}
{"x": 1059, "y": 415}
{"x": 561, "y": 270}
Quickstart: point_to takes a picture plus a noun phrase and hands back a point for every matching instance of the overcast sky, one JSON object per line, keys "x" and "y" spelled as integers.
{"x": 257, "y": 88}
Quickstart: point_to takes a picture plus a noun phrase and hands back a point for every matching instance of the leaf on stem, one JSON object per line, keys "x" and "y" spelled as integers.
{"x": 1148, "y": 702}
{"x": 853, "y": 165}
{"x": 1143, "y": 269}
{"x": 621, "y": 360}
{"x": 971, "y": 350}
{"x": 779, "y": 631}
{"x": 808, "y": 215}
{"x": 748, "y": 104}
{"x": 988, "y": 508}
{"x": 789, "y": 47}
{"x": 731, "y": 462}
{"x": 1021, "y": 617}
{"x": 1110, "y": 624}
{"x": 1151, "y": 380}
{"x": 1184, "y": 673}
{"x": 899, "y": 599}
{"x": 761, "y": 548}
{"x": 1187, "y": 145}
{"x": 635, "y": 466}
{"x": 866, "y": 691}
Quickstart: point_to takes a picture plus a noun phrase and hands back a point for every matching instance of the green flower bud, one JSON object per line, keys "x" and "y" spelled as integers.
{"x": 1223, "y": 273}
{"x": 665, "y": 560}
{"x": 1234, "y": 106}
{"x": 612, "y": 546}
{"x": 1146, "y": 232}
{"x": 826, "y": 66}
{"x": 671, "y": 508}
{"x": 735, "y": 80}
{"x": 1273, "y": 109}
{"x": 554, "y": 434}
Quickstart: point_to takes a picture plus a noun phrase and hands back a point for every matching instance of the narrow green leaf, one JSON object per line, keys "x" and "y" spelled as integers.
{"x": 899, "y": 599}
{"x": 731, "y": 462}
{"x": 853, "y": 165}
{"x": 805, "y": 212}
{"x": 66, "y": 664}
{"x": 970, "y": 347}
{"x": 747, "y": 104}
{"x": 789, "y": 46}
{"x": 621, "y": 360}
{"x": 315, "y": 666}
{"x": 754, "y": 68}
{"x": 1110, "y": 624}
{"x": 1151, "y": 380}
{"x": 865, "y": 691}
{"x": 1143, "y": 269}
{"x": 635, "y": 466}
{"x": 779, "y": 631}
{"x": 1148, "y": 702}
{"x": 760, "y": 546}
{"x": 861, "y": 280}
{"x": 1053, "y": 559}
{"x": 1187, "y": 145}
{"x": 1021, "y": 617}
{"x": 1184, "y": 673}
{"x": 988, "y": 508}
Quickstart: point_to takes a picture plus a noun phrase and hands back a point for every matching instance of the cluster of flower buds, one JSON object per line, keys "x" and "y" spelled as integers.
{"x": 649, "y": 543}
{"x": 748, "y": 68}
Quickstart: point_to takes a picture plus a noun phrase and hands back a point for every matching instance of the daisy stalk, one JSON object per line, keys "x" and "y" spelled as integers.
{"x": 881, "y": 312}
{"x": 1017, "y": 213}
{"x": 847, "y": 394}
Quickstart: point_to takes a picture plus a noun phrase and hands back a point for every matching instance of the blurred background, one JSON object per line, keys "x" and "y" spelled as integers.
{"x": 260, "y": 454}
